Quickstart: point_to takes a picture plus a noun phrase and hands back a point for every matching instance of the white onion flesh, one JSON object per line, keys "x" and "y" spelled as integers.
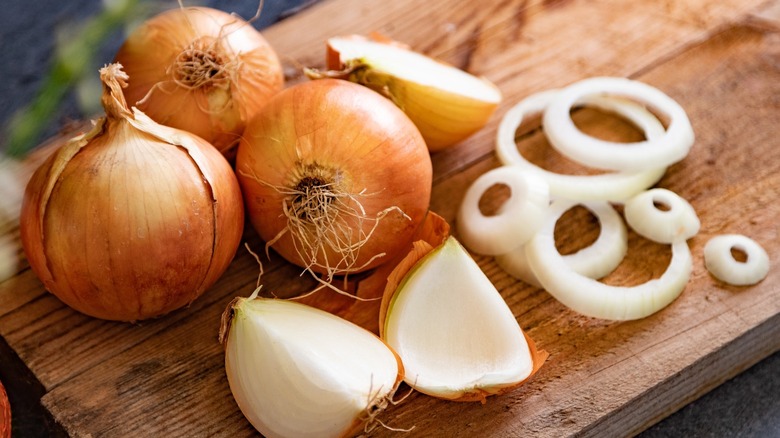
{"x": 296, "y": 371}
{"x": 655, "y": 153}
{"x": 452, "y": 329}
{"x": 593, "y": 298}
{"x": 615, "y": 186}
{"x": 517, "y": 219}
{"x": 721, "y": 263}
{"x": 677, "y": 220}
{"x": 594, "y": 261}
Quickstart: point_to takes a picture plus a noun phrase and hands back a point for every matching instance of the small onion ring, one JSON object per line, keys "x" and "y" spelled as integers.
{"x": 516, "y": 220}
{"x": 721, "y": 263}
{"x": 593, "y": 298}
{"x": 564, "y": 135}
{"x": 614, "y": 187}
{"x": 594, "y": 261}
{"x": 663, "y": 226}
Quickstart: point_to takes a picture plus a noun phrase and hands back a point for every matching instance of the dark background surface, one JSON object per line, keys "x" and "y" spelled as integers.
{"x": 746, "y": 406}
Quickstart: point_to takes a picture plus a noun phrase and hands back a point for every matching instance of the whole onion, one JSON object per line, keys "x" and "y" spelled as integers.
{"x": 132, "y": 219}
{"x": 201, "y": 70}
{"x": 335, "y": 177}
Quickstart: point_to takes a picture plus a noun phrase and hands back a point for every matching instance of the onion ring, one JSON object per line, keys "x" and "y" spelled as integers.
{"x": 721, "y": 263}
{"x": 594, "y": 261}
{"x": 516, "y": 220}
{"x": 563, "y": 135}
{"x": 661, "y": 225}
{"x": 614, "y": 187}
{"x": 593, "y": 298}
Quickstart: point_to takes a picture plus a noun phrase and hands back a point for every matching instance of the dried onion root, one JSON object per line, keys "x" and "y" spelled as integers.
{"x": 661, "y": 216}
{"x": 594, "y": 261}
{"x": 616, "y": 186}
{"x": 593, "y": 298}
{"x": 720, "y": 261}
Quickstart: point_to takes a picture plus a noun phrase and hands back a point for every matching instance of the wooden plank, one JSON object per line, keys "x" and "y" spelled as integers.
{"x": 166, "y": 375}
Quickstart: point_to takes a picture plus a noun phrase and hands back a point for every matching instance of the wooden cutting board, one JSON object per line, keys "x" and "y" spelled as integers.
{"x": 719, "y": 60}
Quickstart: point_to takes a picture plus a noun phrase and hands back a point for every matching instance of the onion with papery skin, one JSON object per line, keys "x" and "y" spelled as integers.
{"x": 201, "y": 70}
{"x": 447, "y": 104}
{"x": 5, "y": 414}
{"x": 335, "y": 177}
{"x": 297, "y": 371}
{"x": 132, "y": 219}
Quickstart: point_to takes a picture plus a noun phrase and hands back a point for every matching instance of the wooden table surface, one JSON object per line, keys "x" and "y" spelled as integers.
{"x": 719, "y": 60}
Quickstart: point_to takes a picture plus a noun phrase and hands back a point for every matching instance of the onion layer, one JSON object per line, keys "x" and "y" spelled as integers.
{"x": 721, "y": 263}
{"x": 661, "y": 216}
{"x": 614, "y": 187}
{"x": 594, "y": 261}
{"x": 516, "y": 221}
{"x": 649, "y": 154}
{"x": 335, "y": 177}
{"x": 592, "y": 298}
{"x": 201, "y": 70}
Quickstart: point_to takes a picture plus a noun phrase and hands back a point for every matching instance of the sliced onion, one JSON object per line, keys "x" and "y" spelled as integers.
{"x": 615, "y": 187}
{"x": 594, "y": 261}
{"x": 653, "y": 153}
{"x": 675, "y": 221}
{"x": 721, "y": 263}
{"x": 517, "y": 219}
{"x": 592, "y": 298}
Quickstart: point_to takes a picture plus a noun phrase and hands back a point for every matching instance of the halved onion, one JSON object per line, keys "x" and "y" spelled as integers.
{"x": 594, "y": 261}
{"x": 615, "y": 187}
{"x": 456, "y": 336}
{"x": 661, "y": 216}
{"x": 655, "y": 153}
{"x": 592, "y": 298}
{"x": 445, "y": 103}
{"x": 720, "y": 261}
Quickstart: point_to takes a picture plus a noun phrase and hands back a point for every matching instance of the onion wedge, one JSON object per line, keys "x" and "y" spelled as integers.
{"x": 445, "y": 103}
{"x": 456, "y": 336}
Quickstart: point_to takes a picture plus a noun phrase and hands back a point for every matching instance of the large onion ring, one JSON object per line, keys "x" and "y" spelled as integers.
{"x": 677, "y": 221}
{"x": 594, "y": 261}
{"x": 653, "y": 153}
{"x": 592, "y": 298}
{"x": 615, "y": 187}
{"x": 517, "y": 219}
{"x": 721, "y": 263}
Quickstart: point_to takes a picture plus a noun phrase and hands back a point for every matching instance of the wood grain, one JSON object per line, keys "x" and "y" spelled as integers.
{"x": 719, "y": 60}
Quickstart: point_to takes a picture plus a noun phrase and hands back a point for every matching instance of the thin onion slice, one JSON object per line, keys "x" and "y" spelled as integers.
{"x": 614, "y": 187}
{"x": 592, "y": 298}
{"x": 721, "y": 263}
{"x": 653, "y": 153}
{"x": 594, "y": 261}
{"x": 517, "y": 219}
{"x": 661, "y": 216}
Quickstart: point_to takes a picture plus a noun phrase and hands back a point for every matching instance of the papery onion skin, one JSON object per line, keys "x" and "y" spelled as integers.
{"x": 218, "y": 110}
{"x": 131, "y": 220}
{"x": 351, "y": 138}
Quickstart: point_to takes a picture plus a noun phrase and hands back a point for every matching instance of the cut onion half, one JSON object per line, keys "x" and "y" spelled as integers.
{"x": 516, "y": 220}
{"x": 654, "y": 153}
{"x": 445, "y": 103}
{"x": 594, "y": 261}
{"x": 297, "y": 371}
{"x": 720, "y": 261}
{"x": 614, "y": 187}
{"x": 456, "y": 336}
{"x": 593, "y": 298}
{"x": 661, "y": 216}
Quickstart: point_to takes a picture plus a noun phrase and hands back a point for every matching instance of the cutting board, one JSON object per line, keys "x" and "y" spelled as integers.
{"x": 719, "y": 60}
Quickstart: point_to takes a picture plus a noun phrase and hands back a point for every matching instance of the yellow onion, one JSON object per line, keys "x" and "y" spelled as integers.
{"x": 132, "y": 219}
{"x": 334, "y": 176}
{"x": 201, "y": 70}
{"x": 447, "y": 104}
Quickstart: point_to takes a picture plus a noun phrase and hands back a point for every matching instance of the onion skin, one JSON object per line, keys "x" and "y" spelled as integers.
{"x": 216, "y": 113}
{"x": 131, "y": 220}
{"x": 5, "y": 414}
{"x": 347, "y": 130}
